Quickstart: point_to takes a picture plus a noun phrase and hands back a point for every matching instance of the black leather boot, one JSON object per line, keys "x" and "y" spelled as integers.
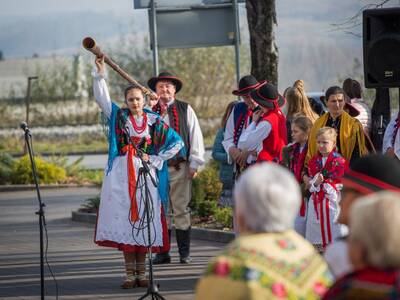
{"x": 163, "y": 257}
{"x": 183, "y": 240}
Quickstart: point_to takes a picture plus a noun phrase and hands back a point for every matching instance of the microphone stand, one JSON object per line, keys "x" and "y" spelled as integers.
{"x": 144, "y": 171}
{"x": 40, "y": 212}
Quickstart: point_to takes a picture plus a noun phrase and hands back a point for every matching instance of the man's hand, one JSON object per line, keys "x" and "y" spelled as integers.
{"x": 257, "y": 115}
{"x": 242, "y": 159}
{"x": 145, "y": 157}
{"x": 192, "y": 173}
{"x": 99, "y": 61}
{"x": 234, "y": 153}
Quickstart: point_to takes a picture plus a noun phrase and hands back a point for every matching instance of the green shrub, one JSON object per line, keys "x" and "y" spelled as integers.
{"x": 47, "y": 172}
{"x": 91, "y": 204}
{"x": 206, "y": 190}
{"x": 90, "y": 176}
{"x": 72, "y": 169}
{"x": 6, "y": 167}
{"x": 224, "y": 216}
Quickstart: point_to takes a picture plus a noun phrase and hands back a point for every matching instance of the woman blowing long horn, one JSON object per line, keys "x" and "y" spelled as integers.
{"x": 121, "y": 222}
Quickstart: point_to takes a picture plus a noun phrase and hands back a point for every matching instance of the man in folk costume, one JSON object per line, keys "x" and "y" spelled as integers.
{"x": 183, "y": 167}
{"x": 350, "y": 133}
{"x": 268, "y": 128}
{"x": 238, "y": 120}
{"x": 391, "y": 139}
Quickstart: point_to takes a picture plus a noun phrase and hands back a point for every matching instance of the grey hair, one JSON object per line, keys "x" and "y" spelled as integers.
{"x": 374, "y": 224}
{"x": 268, "y": 198}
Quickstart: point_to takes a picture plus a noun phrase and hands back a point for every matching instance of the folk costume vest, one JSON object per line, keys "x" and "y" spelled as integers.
{"x": 241, "y": 114}
{"x": 277, "y": 139}
{"x": 177, "y": 114}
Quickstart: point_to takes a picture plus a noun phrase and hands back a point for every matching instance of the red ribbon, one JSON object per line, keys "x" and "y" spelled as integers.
{"x": 134, "y": 214}
{"x": 318, "y": 200}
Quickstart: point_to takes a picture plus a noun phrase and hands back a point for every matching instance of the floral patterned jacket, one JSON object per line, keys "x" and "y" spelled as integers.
{"x": 266, "y": 266}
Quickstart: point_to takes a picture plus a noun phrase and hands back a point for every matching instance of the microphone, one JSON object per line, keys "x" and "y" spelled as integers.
{"x": 24, "y": 126}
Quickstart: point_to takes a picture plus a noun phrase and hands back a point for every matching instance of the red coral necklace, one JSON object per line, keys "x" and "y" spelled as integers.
{"x": 139, "y": 129}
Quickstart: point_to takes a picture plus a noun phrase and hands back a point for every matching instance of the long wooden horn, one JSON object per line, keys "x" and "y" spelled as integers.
{"x": 90, "y": 45}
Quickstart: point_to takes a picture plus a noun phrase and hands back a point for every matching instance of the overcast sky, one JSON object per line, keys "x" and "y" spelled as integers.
{"x": 39, "y": 7}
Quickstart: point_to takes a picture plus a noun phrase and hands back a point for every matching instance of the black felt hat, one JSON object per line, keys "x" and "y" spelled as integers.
{"x": 165, "y": 76}
{"x": 246, "y": 85}
{"x": 267, "y": 95}
{"x": 373, "y": 173}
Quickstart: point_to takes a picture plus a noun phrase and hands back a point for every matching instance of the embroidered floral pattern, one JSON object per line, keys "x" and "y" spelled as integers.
{"x": 279, "y": 290}
{"x": 334, "y": 168}
{"x": 226, "y": 268}
{"x": 285, "y": 244}
{"x": 221, "y": 268}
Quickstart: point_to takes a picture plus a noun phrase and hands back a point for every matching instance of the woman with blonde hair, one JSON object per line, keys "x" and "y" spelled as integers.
{"x": 298, "y": 105}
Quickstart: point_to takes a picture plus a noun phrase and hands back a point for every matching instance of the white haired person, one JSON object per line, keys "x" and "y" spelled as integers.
{"x": 374, "y": 244}
{"x": 268, "y": 260}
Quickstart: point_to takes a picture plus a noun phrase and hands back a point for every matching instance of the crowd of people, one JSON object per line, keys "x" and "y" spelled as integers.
{"x": 334, "y": 165}
{"x": 311, "y": 201}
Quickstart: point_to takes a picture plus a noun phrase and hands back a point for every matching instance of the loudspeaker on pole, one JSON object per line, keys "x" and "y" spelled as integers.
{"x": 381, "y": 47}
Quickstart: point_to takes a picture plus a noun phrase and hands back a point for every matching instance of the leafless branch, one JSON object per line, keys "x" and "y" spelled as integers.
{"x": 354, "y": 21}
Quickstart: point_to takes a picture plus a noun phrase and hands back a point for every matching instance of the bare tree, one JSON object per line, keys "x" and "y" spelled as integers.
{"x": 262, "y": 21}
{"x": 352, "y": 24}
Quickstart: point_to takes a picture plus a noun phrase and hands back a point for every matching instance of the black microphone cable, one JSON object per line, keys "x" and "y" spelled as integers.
{"x": 141, "y": 225}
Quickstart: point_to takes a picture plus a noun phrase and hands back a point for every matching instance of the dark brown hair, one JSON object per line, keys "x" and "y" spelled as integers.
{"x": 304, "y": 123}
{"x": 333, "y": 90}
{"x": 132, "y": 87}
{"x": 352, "y": 88}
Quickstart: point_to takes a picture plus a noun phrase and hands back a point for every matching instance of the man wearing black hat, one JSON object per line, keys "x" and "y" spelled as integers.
{"x": 183, "y": 167}
{"x": 367, "y": 175}
{"x": 239, "y": 119}
{"x": 268, "y": 128}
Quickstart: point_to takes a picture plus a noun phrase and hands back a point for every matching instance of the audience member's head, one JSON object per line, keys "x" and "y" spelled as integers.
{"x": 300, "y": 129}
{"x": 267, "y": 198}
{"x": 368, "y": 175}
{"x": 326, "y": 140}
{"x": 374, "y": 239}
{"x": 352, "y": 88}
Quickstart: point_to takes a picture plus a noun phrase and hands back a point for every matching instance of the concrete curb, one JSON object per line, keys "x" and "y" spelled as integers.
{"x": 196, "y": 233}
{"x": 26, "y": 187}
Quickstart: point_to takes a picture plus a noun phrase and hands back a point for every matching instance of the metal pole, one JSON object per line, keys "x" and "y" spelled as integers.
{"x": 237, "y": 38}
{"x": 27, "y": 103}
{"x": 154, "y": 37}
{"x": 28, "y": 98}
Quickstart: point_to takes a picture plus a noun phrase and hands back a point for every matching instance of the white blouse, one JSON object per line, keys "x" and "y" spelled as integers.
{"x": 102, "y": 96}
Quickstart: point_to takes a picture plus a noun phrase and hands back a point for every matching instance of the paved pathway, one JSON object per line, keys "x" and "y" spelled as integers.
{"x": 83, "y": 270}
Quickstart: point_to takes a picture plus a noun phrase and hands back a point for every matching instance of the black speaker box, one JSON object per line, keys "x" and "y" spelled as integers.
{"x": 381, "y": 45}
